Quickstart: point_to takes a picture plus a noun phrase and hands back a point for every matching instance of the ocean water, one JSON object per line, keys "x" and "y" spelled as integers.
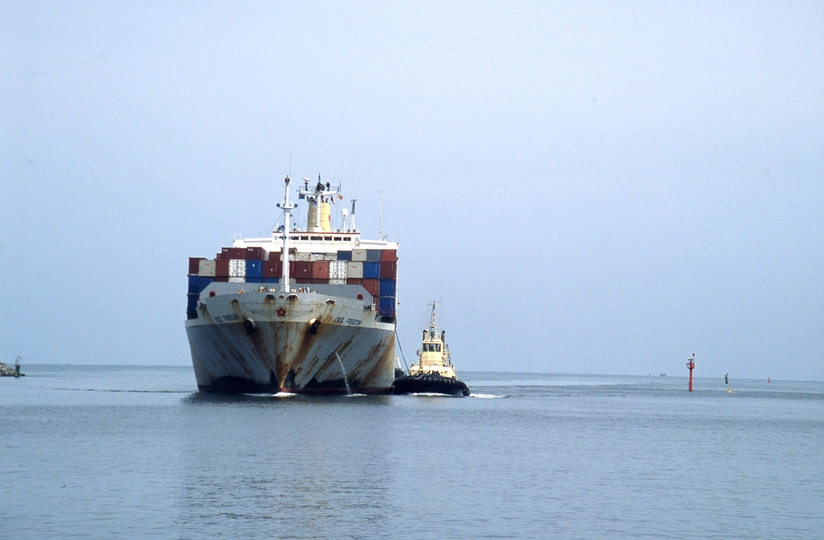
{"x": 118, "y": 452}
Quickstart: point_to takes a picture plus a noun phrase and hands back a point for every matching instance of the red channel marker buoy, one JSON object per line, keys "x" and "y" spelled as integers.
{"x": 691, "y": 366}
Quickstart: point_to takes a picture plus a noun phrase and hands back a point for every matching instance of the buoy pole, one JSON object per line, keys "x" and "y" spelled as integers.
{"x": 691, "y": 366}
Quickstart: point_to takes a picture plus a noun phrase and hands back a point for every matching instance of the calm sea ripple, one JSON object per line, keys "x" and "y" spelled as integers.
{"x": 104, "y": 451}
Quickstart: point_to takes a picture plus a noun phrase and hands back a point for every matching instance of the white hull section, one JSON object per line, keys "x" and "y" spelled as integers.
{"x": 293, "y": 342}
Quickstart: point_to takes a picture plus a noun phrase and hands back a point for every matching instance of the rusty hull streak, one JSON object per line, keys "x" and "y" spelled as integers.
{"x": 283, "y": 350}
{"x": 387, "y": 356}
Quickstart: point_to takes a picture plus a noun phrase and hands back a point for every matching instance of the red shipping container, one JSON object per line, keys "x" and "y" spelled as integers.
{"x": 389, "y": 270}
{"x": 254, "y": 253}
{"x": 372, "y": 286}
{"x": 273, "y": 256}
{"x": 221, "y": 279}
{"x": 194, "y": 265}
{"x": 302, "y": 270}
{"x": 222, "y": 268}
{"x": 320, "y": 270}
{"x": 389, "y": 255}
{"x": 273, "y": 269}
{"x": 234, "y": 253}
{"x": 354, "y": 281}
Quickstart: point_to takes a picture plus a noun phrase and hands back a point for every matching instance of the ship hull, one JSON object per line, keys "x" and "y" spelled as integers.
{"x": 306, "y": 343}
{"x": 429, "y": 384}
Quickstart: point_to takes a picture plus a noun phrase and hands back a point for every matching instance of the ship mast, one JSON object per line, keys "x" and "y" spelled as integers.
{"x": 352, "y": 226}
{"x": 287, "y": 207}
{"x": 380, "y": 217}
{"x": 432, "y": 324}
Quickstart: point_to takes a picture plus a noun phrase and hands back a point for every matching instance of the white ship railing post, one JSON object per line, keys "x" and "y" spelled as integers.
{"x": 287, "y": 207}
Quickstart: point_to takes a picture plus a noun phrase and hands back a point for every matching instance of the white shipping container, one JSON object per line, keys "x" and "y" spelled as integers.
{"x": 237, "y": 268}
{"x": 330, "y": 257}
{"x": 237, "y": 280}
{"x": 358, "y": 255}
{"x": 206, "y": 268}
{"x": 337, "y": 270}
{"x": 354, "y": 269}
{"x": 302, "y": 256}
{"x": 337, "y": 282}
{"x": 316, "y": 257}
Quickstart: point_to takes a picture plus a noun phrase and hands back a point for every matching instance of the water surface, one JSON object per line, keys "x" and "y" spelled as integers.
{"x": 103, "y": 451}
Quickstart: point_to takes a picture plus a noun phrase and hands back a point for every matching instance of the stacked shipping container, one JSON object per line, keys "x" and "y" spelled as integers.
{"x": 375, "y": 269}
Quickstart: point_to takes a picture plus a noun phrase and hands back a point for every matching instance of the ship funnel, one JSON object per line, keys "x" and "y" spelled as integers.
{"x": 320, "y": 211}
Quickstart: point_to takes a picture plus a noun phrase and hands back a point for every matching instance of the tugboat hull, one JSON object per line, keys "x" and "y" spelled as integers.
{"x": 429, "y": 384}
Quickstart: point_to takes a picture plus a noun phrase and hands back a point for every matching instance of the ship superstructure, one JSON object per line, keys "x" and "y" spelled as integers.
{"x": 309, "y": 311}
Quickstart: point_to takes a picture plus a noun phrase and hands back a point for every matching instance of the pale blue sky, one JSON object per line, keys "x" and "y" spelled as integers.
{"x": 586, "y": 187}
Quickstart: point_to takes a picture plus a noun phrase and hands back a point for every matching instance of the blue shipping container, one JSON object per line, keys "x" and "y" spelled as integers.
{"x": 191, "y": 307}
{"x": 253, "y": 279}
{"x": 373, "y": 255}
{"x": 203, "y": 282}
{"x": 387, "y": 287}
{"x": 386, "y": 306}
{"x": 254, "y": 269}
{"x": 193, "y": 284}
{"x": 371, "y": 270}
{"x": 344, "y": 255}
{"x": 269, "y": 280}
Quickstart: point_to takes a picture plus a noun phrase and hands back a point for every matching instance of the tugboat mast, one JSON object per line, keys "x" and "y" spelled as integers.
{"x": 432, "y": 321}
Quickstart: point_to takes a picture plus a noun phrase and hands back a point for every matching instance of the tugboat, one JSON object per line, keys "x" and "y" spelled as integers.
{"x": 434, "y": 372}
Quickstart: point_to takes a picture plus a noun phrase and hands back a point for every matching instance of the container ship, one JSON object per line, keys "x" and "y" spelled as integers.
{"x": 308, "y": 312}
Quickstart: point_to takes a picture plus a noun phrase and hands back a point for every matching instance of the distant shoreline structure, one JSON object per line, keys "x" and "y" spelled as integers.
{"x": 9, "y": 371}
